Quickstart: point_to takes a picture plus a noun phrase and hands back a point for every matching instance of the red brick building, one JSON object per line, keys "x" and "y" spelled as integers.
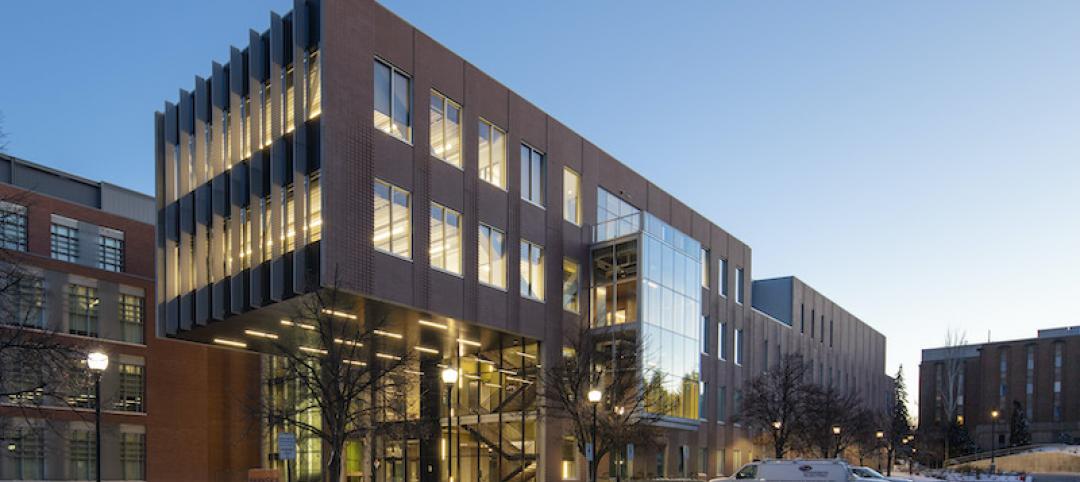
{"x": 173, "y": 411}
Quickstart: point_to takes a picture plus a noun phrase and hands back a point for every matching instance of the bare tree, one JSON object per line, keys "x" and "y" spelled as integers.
{"x": 776, "y": 403}
{"x": 626, "y": 412}
{"x": 950, "y": 387}
{"x": 337, "y": 374}
{"x": 826, "y": 409}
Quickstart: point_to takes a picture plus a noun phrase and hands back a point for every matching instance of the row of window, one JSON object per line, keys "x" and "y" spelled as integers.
{"x": 393, "y": 115}
{"x": 27, "y": 296}
{"x": 64, "y": 238}
{"x": 265, "y": 96}
{"x": 393, "y": 235}
{"x": 26, "y": 454}
{"x": 722, "y": 265}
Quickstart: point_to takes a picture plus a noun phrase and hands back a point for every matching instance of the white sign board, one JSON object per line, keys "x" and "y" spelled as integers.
{"x": 286, "y": 446}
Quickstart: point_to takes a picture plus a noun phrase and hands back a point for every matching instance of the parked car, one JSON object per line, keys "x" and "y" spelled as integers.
{"x": 871, "y": 474}
{"x": 796, "y": 471}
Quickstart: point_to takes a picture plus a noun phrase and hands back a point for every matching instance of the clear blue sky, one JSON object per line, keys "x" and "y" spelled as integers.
{"x": 918, "y": 162}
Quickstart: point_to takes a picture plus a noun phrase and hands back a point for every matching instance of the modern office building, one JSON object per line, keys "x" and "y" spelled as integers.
{"x": 1038, "y": 373}
{"x": 172, "y": 409}
{"x": 487, "y": 228}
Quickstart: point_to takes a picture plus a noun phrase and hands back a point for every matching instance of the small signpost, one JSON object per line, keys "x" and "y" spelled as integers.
{"x": 286, "y": 447}
{"x": 588, "y": 451}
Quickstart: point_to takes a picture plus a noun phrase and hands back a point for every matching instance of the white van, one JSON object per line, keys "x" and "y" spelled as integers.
{"x": 796, "y": 471}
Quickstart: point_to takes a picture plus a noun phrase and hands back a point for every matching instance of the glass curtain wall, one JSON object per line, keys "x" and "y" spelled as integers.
{"x": 670, "y": 321}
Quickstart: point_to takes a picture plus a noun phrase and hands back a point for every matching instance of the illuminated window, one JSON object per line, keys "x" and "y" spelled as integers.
{"x": 111, "y": 250}
{"x": 245, "y": 119}
{"x": 532, "y": 271}
{"x": 445, "y": 129}
{"x": 268, "y": 242}
{"x": 571, "y": 196}
{"x": 492, "y": 154}
{"x": 12, "y": 226}
{"x": 445, "y": 239}
{"x": 393, "y": 234}
{"x": 704, "y": 268}
{"x": 571, "y": 282}
{"x": 129, "y": 397}
{"x": 393, "y": 101}
{"x": 83, "y": 305}
{"x": 64, "y": 242}
{"x": 245, "y": 237}
{"x": 314, "y": 85}
{"x": 288, "y": 113}
{"x": 492, "y": 256}
{"x": 532, "y": 175}
{"x": 569, "y": 458}
{"x": 131, "y": 318}
{"x": 267, "y": 94}
{"x": 289, "y": 234}
{"x": 314, "y": 226}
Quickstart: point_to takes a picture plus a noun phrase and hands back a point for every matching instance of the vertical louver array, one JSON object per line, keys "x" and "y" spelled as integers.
{"x": 238, "y": 228}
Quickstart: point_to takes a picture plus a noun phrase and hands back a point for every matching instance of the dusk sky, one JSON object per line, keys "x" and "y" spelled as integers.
{"x": 918, "y": 162}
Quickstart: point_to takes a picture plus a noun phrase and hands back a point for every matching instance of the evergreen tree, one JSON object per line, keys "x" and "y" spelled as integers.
{"x": 1019, "y": 434}
{"x": 900, "y": 425}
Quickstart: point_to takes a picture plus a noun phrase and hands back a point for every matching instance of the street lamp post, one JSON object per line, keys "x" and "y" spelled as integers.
{"x": 778, "y": 448}
{"x": 993, "y": 438}
{"x": 594, "y": 399}
{"x": 836, "y": 433}
{"x": 97, "y": 362}
{"x": 880, "y": 436}
{"x": 449, "y": 378}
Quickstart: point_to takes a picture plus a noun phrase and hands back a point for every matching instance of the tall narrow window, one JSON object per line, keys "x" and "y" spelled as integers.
{"x": 133, "y": 455}
{"x": 569, "y": 458}
{"x": 314, "y": 85}
{"x": 723, "y": 277}
{"x": 131, "y": 318}
{"x": 571, "y": 285}
{"x": 1029, "y": 388}
{"x": 492, "y": 154}
{"x": 289, "y": 203}
{"x": 81, "y": 452}
{"x": 111, "y": 250}
{"x": 739, "y": 342}
{"x": 532, "y": 175}
{"x": 28, "y": 456}
{"x": 64, "y": 243}
{"x": 721, "y": 404}
{"x": 393, "y": 101}
{"x": 445, "y": 239}
{"x": 831, "y": 333}
{"x": 393, "y": 233}
{"x": 314, "y": 205}
{"x": 129, "y": 398}
{"x": 266, "y": 117}
{"x": 739, "y": 286}
{"x": 268, "y": 241}
{"x": 245, "y": 234}
{"x": 721, "y": 341}
{"x": 704, "y": 268}
{"x": 1003, "y": 376}
{"x": 492, "y": 257}
{"x": 12, "y": 226}
{"x": 245, "y": 127}
{"x": 445, "y": 129}
{"x": 289, "y": 112}
{"x": 83, "y": 310}
{"x": 571, "y": 196}
{"x": 705, "y": 336}
{"x": 532, "y": 271}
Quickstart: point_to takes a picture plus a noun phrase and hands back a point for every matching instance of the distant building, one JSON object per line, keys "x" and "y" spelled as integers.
{"x": 1041, "y": 373}
{"x": 173, "y": 411}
